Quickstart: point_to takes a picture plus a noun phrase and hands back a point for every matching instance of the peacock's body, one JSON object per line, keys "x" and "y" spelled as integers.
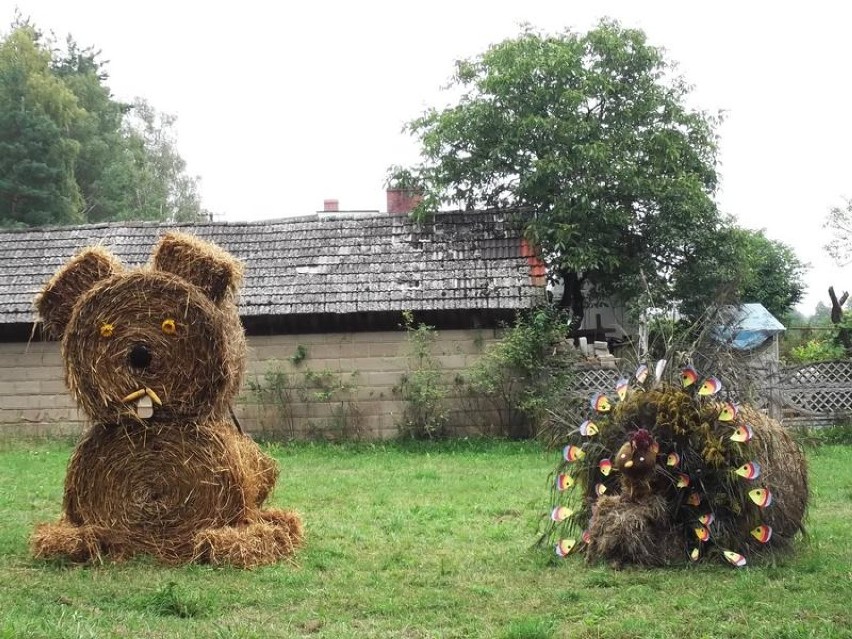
{"x": 673, "y": 473}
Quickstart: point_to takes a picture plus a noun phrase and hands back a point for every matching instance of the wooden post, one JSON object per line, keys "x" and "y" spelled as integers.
{"x": 776, "y": 401}
{"x": 843, "y": 336}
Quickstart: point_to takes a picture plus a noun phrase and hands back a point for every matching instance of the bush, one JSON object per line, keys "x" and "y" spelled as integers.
{"x": 279, "y": 389}
{"x": 524, "y": 376}
{"x": 422, "y": 389}
{"x": 817, "y": 350}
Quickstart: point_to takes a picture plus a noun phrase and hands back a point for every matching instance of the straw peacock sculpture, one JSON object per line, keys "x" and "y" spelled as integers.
{"x": 664, "y": 473}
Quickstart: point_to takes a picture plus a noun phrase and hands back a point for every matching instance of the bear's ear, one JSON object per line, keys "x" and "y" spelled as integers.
{"x": 58, "y": 297}
{"x": 205, "y": 265}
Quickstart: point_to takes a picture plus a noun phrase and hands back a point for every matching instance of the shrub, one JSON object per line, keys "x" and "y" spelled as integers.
{"x": 422, "y": 388}
{"x": 523, "y": 377}
{"x": 817, "y": 350}
{"x": 279, "y": 389}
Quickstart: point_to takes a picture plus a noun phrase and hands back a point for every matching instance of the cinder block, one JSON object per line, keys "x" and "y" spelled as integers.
{"x": 381, "y": 379}
{"x": 386, "y": 364}
{"x": 387, "y": 349}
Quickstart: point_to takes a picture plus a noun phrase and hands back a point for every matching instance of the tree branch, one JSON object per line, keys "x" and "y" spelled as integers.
{"x": 837, "y": 305}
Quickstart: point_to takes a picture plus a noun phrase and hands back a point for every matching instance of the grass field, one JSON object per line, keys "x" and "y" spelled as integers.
{"x": 420, "y": 541}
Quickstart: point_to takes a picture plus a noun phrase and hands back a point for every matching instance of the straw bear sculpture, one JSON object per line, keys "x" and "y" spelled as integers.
{"x": 154, "y": 356}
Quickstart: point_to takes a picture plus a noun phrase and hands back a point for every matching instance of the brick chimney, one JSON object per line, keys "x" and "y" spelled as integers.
{"x": 403, "y": 201}
{"x": 330, "y": 206}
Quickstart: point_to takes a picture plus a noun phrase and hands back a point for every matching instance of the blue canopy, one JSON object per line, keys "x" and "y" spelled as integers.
{"x": 749, "y": 326}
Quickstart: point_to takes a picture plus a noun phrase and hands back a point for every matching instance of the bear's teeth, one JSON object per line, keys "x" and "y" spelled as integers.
{"x": 144, "y": 407}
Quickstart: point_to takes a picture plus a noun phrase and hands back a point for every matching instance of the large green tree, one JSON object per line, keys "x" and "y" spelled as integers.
{"x": 37, "y": 153}
{"x": 103, "y": 147}
{"x": 70, "y": 152}
{"x": 159, "y": 187}
{"x": 590, "y": 137}
{"x": 740, "y": 265}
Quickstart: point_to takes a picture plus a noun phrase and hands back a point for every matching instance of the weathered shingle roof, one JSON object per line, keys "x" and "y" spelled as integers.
{"x": 336, "y": 264}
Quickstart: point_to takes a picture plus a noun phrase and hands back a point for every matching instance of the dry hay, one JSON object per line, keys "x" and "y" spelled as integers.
{"x": 645, "y": 530}
{"x": 617, "y": 526}
{"x": 154, "y": 490}
{"x": 207, "y": 266}
{"x": 195, "y": 366}
{"x": 155, "y": 356}
{"x": 272, "y": 539}
{"x": 56, "y": 301}
{"x": 78, "y": 544}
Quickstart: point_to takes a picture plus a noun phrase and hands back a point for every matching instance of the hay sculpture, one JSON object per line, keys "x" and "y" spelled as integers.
{"x": 664, "y": 473}
{"x": 155, "y": 357}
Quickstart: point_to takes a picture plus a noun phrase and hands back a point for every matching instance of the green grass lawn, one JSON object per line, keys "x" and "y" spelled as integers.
{"x": 420, "y": 541}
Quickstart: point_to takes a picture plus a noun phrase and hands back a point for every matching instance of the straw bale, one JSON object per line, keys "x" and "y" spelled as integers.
{"x": 61, "y": 539}
{"x": 58, "y": 297}
{"x": 623, "y": 530}
{"x": 259, "y": 543}
{"x": 196, "y": 370}
{"x": 207, "y": 266}
{"x": 785, "y": 471}
{"x": 155, "y": 356}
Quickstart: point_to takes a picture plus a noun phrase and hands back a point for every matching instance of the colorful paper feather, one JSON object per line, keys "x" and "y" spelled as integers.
{"x": 735, "y": 558}
{"x": 702, "y": 532}
{"x": 743, "y": 434}
{"x": 621, "y": 388}
{"x": 565, "y": 546}
{"x": 588, "y": 428}
{"x": 761, "y": 496}
{"x": 706, "y": 519}
{"x": 673, "y": 459}
{"x": 641, "y": 373}
{"x": 564, "y": 481}
{"x": 600, "y": 489}
{"x": 688, "y": 376}
{"x": 561, "y": 513}
{"x": 573, "y": 453}
{"x": 710, "y": 386}
{"x": 728, "y": 412}
{"x": 751, "y": 470}
{"x": 600, "y": 403}
{"x": 762, "y": 533}
{"x": 605, "y": 467}
{"x": 695, "y": 553}
{"x": 587, "y": 537}
{"x": 694, "y": 499}
{"x": 682, "y": 480}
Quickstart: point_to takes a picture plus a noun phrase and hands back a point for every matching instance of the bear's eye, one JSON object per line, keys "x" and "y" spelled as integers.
{"x": 107, "y": 329}
{"x": 169, "y": 327}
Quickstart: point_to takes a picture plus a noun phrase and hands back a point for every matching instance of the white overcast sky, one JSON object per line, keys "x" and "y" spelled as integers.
{"x": 283, "y": 104}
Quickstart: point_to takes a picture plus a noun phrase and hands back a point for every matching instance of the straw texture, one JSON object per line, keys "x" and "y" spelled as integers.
{"x": 155, "y": 356}
{"x": 659, "y": 517}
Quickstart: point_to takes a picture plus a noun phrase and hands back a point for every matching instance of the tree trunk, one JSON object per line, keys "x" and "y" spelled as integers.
{"x": 572, "y": 297}
{"x": 843, "y": 334}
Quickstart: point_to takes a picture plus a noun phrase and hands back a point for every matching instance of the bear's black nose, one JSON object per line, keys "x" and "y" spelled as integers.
{"x": 139, "y": 357}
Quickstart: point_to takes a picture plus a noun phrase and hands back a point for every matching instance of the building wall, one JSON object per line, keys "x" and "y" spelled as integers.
{"x": 343, "y": 387}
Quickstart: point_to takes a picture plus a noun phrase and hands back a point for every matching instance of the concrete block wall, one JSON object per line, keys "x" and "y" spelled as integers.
{"x": 366, "y": 366}
{"x": 33, "y": 398}
{"x": 363, "y": 368}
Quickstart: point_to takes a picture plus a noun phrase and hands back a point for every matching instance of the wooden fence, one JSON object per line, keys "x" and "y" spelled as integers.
{"x": 818, "y": 394}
